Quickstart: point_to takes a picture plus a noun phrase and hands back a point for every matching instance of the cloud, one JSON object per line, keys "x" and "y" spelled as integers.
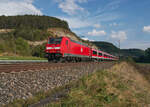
{"x": 71, "y": 7}
{"x": 137, "y": 44}
{"x": 85, "y": 38}
{"x": 114, "y": 4}
{"x": 97, "y": 25}
{"x": 76, "y": 22}
{"x": 105, "y": 17}
{"x": 18, "y": 7}
{"x": 79, "y": 17}
{"x": 146, "y": 29}
{"x": 82, "y": 1}
{"x": 120, "y": 35}
{"x": 113, "y": 24}
{"x": 92, "y": 40}
{"x": 82, "y": 22}
{"x": 97, "y": 33}
{"x": 106, "y": 11}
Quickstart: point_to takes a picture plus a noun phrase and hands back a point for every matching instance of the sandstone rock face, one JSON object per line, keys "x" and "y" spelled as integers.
{"x": 62, "y": 32}
{"x": 6, "y": 30}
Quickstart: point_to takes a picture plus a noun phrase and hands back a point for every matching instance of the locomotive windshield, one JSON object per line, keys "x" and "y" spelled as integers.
{"x": 94, "y": 53}
{"x": 54, "y": 41}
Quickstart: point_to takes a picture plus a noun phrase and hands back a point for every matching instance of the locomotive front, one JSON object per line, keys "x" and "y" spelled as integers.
{"x": 53, "y": 49}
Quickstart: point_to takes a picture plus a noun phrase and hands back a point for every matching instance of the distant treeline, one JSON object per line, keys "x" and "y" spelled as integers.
{"x": 144, "y": 58}
{"x": 32, "y": 21}
{"x": 107, "y": 47}
{"x": 112, "y": 49}
{"x": 137, "y": 55}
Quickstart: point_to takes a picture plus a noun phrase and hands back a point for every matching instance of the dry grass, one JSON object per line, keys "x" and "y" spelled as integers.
{"x": 144, "y": 69}
{"x": 120, "y": 86}
{"x": 135, "y": 86}
{"x": 36, "y": 43}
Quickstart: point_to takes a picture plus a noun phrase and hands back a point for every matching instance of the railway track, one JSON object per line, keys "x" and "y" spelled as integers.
{"x": 18, "y": 67}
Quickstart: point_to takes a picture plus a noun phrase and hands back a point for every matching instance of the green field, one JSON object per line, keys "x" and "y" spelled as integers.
{"x": 20, "y": 58}
{"x": 143, "y": 63}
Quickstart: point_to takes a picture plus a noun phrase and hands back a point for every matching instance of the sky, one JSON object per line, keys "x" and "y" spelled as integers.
{"x": 127, "y": 21}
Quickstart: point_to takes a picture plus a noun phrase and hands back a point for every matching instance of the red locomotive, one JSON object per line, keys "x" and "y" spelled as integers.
{"x": 66, "y": 49}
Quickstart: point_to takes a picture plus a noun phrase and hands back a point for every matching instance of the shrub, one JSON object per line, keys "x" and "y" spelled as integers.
{"x": 38, "y": 51}
{"x": 22, "y": 47}
{"x": 1, "y": 48}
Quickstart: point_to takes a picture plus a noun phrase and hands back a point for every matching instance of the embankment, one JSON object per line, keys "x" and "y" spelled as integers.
{"x": 23, "y": 85}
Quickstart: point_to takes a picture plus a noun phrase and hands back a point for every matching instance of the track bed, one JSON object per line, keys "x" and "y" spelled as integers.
{"x": 19, "y": 67}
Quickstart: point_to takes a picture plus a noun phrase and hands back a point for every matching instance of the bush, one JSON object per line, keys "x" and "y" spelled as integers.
{"x": 38, "y": 51}
{"x": 22, "y": 47}
{"x": 2, "y": 48}
{"x": 7, "y": 43}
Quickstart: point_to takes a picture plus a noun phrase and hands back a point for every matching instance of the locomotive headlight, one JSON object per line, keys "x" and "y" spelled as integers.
{"x": 57, "y": 48}
{"x": 53, "y": 48}
{"x": 48, "y": 47}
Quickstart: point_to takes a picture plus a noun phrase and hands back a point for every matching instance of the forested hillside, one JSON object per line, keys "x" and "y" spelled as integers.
{"x": 137, "y": 54}
{"x": 110, "y": 48}
{"x": 107, "y": 47}
{"x": 19, "y": 34}
{"x": 32, "y": 21}
{"x": 26, "y": 35}
{"x": 132, "y": 52}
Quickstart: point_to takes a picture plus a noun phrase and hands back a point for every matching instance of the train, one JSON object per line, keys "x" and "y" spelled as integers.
{"x": 62, "y": 49}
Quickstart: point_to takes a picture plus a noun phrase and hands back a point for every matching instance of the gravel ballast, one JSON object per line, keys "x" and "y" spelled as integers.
{"x": 22, "y": 85}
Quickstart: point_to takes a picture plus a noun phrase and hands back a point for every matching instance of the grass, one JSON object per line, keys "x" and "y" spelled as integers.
{"x": 143, "y": 63}
{"x": 108, "y": 88}
{"x": 34, "y": 99}
{"x": 20, "y": 58}
{"x": 120, "y": 86}
{"x": 25, "y": 103}
{"x": 89, "y": 91}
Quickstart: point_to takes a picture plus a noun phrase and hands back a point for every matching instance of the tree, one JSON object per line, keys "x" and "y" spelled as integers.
{"x": 147, "y": 54}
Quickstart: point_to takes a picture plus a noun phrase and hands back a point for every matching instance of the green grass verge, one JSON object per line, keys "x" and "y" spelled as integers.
{"x": 104, "y": 89}
{"x": 90, "y": 91}
{"x": 143, "y": 63}
{"x": 34, "y": 99}
{"x": 21, "y": 58}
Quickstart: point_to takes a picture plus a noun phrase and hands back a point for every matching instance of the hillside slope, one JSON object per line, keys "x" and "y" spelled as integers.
{"x": 106, "y": 46}
{"x": 26, "y": 35}
{"x": 132, "y": 52}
